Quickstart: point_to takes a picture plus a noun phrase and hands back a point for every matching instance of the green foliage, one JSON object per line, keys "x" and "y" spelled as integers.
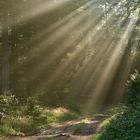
{"x": 112, "y": 110}
{"x": 8, "y": 127}
{"x": 32, "y": 107}
{"x": 8, "y": 103}
{"x": 96, "y": 137}
{"x": 6, "y": 130}
{"x": 27, "y": 118}
{"x": 125, "y": 125}
{"x": 133, "y": 94}
{"x": 28, "y": 125}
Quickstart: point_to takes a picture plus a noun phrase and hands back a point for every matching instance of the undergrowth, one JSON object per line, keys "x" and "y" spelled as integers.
{"x": 27, "y": 118}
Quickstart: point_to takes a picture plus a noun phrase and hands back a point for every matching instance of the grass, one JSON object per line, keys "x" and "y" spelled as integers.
{"x": 30, "y": 117}
{"x": 11, "y": 125}
{"x": 67, "y": 117}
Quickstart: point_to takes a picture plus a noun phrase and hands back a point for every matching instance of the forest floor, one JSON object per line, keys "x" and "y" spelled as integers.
{"x": 80, "y": 129}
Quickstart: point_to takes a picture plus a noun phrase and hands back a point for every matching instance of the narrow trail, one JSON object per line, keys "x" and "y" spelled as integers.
{"x": 81, "y": 129}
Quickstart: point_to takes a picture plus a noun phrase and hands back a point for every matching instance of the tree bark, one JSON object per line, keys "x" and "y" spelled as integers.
{"x": 5, "y": 53}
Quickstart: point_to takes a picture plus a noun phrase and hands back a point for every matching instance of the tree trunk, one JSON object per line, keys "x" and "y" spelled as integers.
{"x": 5, "y": 53}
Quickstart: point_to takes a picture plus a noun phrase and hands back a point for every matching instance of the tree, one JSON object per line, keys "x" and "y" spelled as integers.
{"x": 5, "y": 47}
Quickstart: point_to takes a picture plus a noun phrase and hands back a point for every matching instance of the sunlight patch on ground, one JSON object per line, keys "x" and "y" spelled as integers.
{"x": 58, "y": 110}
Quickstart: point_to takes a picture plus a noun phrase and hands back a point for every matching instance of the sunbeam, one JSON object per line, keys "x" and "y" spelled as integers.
{"x": 64, "y": 66}
{"x": 65, "y": 47}
{"x": 35, "y": 8}
{"x": 57, "y": 31}
{"x": 88, "y": 71}
{"x": 112, "y": 65}
{"x": 70, "y": 67}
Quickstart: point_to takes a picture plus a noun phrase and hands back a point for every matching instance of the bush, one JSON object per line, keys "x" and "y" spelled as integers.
{"x": 125, "y": 125}
{"x": 19, "y": 118}
{"x": 133, "y": 92}
{"x": 27, "y": 117}
{"x": 8, "y": 103}
{"x": 33, "y": 107}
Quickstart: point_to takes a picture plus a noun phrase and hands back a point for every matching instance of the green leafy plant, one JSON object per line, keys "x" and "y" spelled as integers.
{"x": 133, "y": 92}
{"x": 125, "y": 125}
{"x": 33, "y": 107}
{"x": 8, "y": 103}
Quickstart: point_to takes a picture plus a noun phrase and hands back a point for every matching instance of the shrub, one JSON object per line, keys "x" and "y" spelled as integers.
{"x": 33, "y": 108}
{"x": 125, "y": 125}
{"x": 8, "y": 103}
{"x": 133, "y": 92}
{"x": 28, "y": 117}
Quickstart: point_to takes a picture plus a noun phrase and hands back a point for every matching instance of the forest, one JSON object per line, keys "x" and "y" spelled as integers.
{"x": 69, "y": 69}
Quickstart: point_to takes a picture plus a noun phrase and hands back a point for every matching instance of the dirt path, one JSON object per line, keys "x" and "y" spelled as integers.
{"x": 52, "y": 138}
{"x": 81, "y": 129}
